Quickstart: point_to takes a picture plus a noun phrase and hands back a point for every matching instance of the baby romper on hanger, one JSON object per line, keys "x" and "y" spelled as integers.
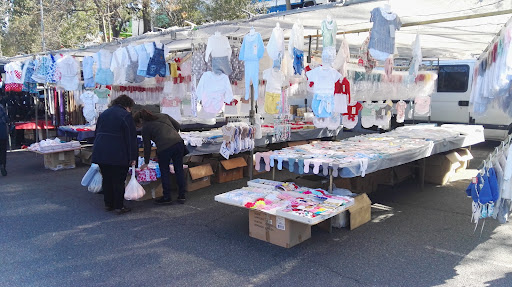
{"x": 251, "y": 53}
{"x": 219, "y": 48}
{"x": 104, "y": 75}
{"x": 324, "y": 79}
{"x": 368, "y": 115}
{"x": 341, "y": 96}
{"x": 275, "y": 80}
{"x": 400, "y": 111}
{"x": 296, "y": 48}
{"x": 87, "y": 71}
{"x": 329, "y": 31}
{"x": 157, "y": 64}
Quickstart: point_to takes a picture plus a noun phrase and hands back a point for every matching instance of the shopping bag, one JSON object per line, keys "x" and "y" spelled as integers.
{"x": 95, "y": 185}
{"x": 89, "y": 175}
{"x": 133, "y": 190}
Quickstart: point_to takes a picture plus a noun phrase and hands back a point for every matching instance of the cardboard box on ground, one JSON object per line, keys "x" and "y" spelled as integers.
{"x": 440, "y": 168}
{"x": 197, "y": 176}
{"x": 226, "y": 170}
{"x": 276, "y": 229}
{"x": 59, "y": 160}
{"x": 86, "y": 155}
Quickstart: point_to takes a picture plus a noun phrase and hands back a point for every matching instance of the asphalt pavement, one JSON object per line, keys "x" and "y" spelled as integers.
{"x": 53, "y": 232}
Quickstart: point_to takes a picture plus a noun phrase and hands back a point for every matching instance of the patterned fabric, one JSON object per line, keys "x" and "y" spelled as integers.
{"x": 157, "y": 65}
{"x": 199, "y": 66}
{"x": 366, "y": 60}
{"x": 146, "y": 175}
{"x": 236, "y": 65}
{"x": 50, "y": 69}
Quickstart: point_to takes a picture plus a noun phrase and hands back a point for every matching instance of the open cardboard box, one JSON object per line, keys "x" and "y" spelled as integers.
{"x": 440, "y": 168}
{"x": 198, "y": 176}
{"x": 276, "y": 229}
{"x": 229, "y": 170}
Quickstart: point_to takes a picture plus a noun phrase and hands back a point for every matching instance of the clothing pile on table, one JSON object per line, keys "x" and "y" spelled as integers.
{"x": 288, "y": 200}
{"x": 53, "y": 145}
{"x": 237, "y": 138}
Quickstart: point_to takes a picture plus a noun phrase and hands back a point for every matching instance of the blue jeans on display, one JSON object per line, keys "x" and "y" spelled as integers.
{"x": 176, "y": 153}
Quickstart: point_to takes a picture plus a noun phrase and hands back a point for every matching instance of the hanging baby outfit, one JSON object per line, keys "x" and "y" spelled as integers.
{"x": 296, "y": 48}
{"x": 29, "y": 85}
{"x": 366, "y": 60}
{"x": 417, "y": 58}
{"x": 274, "y": 82}
{"x": 329, "y": 31}
{"x": 143, "y": 59}
{"x": 275, "y": 45}
{"x": 69, "y": 71}
{"x": 87, "y": 70}
{"x": 131, "y": 69}
{"x": 382, "y": 38}
{"x": 220, "y": 50}
{"x": 341, "y": 96}
{"x": 156, "y": 64}
{"x": 237, "y": 66}
{"x": 104, "y": 75}
{"x": 324, "y": 79}
{"x": 251, "y": 52}
{"x": 118, "y": 66}
{"x": 213, "y": 91}
{"x": 400, "y": 111}
{"x": 342, "y": 58}
{"x": 89, "y": 100}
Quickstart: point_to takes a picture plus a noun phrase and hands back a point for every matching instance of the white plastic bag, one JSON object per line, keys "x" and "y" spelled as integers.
{"x": 89, "y": 175}
{"x": 133, "y": 190}
{"x": 95, "y": 185}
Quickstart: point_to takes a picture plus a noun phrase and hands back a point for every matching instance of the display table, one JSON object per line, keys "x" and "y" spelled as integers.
{"x": 61, "y": 159}
{"x": 297, "y": 135}
{"x": 80, "y": 133}
{"x": 283, "y": 213}
{"x": 41, "y": 125}
{"x": 360, "y": 155}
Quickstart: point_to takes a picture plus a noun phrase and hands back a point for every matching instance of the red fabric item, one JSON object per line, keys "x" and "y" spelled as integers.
{"x": 32, "y": 125}
{"x": 353, "y": 111}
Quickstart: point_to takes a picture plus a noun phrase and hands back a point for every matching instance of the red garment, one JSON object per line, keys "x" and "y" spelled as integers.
{"x": 353, "y": 111}
{"x": 343, "y": 88}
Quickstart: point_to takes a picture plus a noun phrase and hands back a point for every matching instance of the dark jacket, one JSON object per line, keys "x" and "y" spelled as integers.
{"x": 4, "y": 124}
{"x": 116, "y": 138}
{"x": 163, "y": 131}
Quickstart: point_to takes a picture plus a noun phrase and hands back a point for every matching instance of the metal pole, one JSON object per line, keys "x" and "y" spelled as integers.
{"x": 36, "y": 100}
{"x": 46, "y": 109}
{"x": 251, "y": 120}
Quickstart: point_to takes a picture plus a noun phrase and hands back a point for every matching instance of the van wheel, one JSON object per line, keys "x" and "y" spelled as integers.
{"x": 309, "y": 4}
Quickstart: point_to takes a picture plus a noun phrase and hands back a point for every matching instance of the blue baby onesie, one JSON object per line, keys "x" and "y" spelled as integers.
{"x": 251, "y": 52}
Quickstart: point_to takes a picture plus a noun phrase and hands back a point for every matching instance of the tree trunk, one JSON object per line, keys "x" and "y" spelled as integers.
{"x": 146, "y": 15}
{"x": 288, "y": 5}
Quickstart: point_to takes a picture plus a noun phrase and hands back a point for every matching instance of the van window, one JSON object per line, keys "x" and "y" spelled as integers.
{"x": 453, "y": 78}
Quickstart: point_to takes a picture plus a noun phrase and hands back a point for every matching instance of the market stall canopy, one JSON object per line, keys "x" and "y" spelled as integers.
{"x": 449, "y": 29}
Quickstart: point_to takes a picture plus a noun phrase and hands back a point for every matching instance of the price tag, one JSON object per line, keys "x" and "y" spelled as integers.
{"x": 354, "y": 111}
{"x": 280, "y": 223}
{"x": 474, "y": 180}
{"x": 255, "y": 49}
{"x": 392, "y": 31}
{"x": 383, "y": 112}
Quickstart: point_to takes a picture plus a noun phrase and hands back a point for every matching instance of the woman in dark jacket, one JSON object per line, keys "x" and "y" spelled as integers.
{"x": 115, "y": 149}
{"x": 163, "y": 130}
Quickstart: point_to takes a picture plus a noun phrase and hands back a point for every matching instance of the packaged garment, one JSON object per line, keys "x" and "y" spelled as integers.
{"x": 156, "y": 64}
{"x": 251, "y": 52}
{"x": 368, "y": 114}
{"x": 422, "y": 105}
{"x": 342, "y": 58}
{"x": 217, "y": 46}
{"x": 400, "y": 111}
{"x": 172, "y": 107}
{"x": 382, "y": 38}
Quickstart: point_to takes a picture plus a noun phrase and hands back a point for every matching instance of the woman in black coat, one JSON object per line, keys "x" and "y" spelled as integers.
{"x": 115, "y": 149}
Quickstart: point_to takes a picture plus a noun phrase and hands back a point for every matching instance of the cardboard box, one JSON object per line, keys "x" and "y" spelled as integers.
{"x": 277, "y": 230}
{"x": 289, "y": 144}
{"x": 198, "y": 176}
{"x": 231, "y": 169}
{"x": 360, "y": 212}
{"x": 439, "y": 168}
{"x": 293, "y": 109}
{"x": 59, "y": 160}
{"x": 86, "y": 155}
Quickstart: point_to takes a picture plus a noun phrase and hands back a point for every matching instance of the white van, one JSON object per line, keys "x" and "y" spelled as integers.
{"x": 450, "y": 101}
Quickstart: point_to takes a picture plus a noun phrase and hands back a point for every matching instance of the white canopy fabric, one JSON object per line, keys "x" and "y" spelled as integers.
{"x": 461, "y": 39}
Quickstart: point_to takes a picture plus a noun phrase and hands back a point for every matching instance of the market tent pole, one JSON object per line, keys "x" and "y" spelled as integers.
{"x": 36, "y": 101}
{"x": 251, "y": 121}
{"x": 46, "y": 109}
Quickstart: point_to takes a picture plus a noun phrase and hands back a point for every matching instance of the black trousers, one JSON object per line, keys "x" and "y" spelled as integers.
{"x": 3, "y": 151}
{"x": 114, "y": 177}
{"x": 175, "y": 153}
